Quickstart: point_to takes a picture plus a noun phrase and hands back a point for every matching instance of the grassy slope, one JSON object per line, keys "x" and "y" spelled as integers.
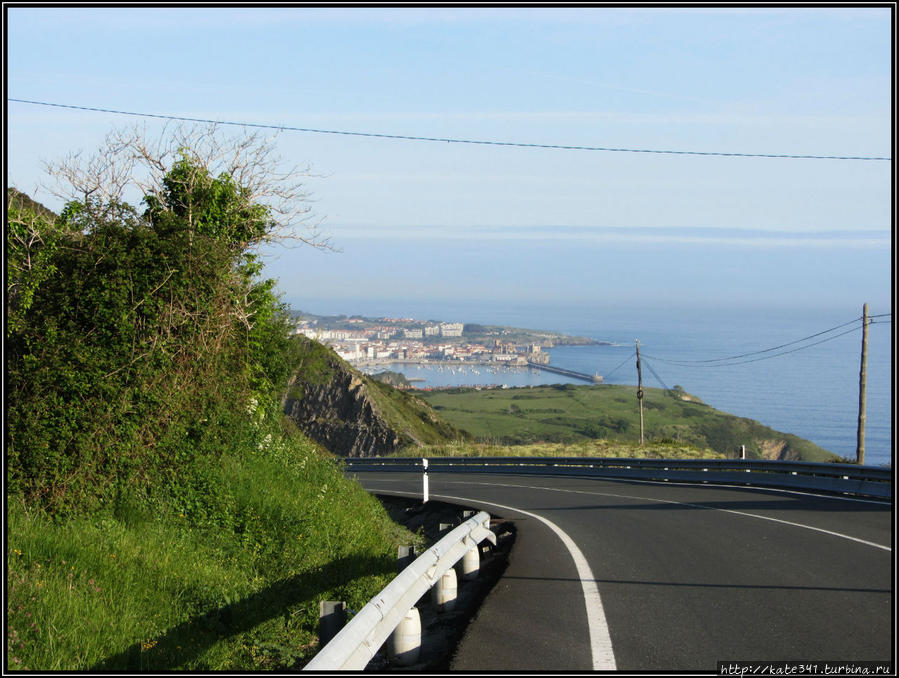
{"x": 220, "y": 571}
{"x": 575, "y": 414}
{"x": 411, "y": 415}
{"x": 231, "y": 583}
{"x": 405, "y": 413}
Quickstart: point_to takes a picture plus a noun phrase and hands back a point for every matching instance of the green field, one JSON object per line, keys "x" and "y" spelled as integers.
{"x": 569, "y": 414}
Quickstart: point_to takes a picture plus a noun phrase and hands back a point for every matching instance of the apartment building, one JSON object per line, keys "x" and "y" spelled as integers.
{"x": 451, "y": 329}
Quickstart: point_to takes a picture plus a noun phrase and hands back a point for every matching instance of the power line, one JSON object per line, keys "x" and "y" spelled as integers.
{"x": 755, "y": 360}
{"x": 451, "y": 140}
{"x": 658, "y": 378}
{"x": 619, "y": 365}
{"x": 773, "y": 348}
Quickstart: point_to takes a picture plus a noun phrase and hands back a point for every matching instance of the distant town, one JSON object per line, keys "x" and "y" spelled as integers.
{"x": 366, "y": 342}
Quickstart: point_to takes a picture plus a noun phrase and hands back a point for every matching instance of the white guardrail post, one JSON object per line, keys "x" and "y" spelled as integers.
{"x": 358, "y": 642}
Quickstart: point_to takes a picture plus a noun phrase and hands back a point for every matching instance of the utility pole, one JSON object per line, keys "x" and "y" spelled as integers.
{"x": 862, "y": 383}
{"x": 640, "y": 390}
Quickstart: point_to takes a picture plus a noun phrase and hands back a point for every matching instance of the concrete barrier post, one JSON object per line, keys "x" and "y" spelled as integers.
{"x": 404, "y": 643}
{"x": 470, "y": 564}
{"x": 405, "y": 556}
{"x": 443, "y": 593}
{"x": 331, "y": 618}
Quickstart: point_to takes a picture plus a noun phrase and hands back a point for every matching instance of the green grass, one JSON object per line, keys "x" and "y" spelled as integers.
{"x": 410, "y": 415}
{"x": 587, "y": 448}
{"x": 569, "y": 414}
{"x": 229, "y": 584}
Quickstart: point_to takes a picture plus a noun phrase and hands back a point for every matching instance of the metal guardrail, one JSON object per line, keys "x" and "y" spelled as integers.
{"x": 358, "y": 642}
{"x": 840, "y": 478}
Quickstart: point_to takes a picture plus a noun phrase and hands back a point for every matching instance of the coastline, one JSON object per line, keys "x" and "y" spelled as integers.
{"x": 826, "y": 375}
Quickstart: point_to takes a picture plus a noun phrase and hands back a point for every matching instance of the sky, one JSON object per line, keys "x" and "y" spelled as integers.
{"x": 470, "y": 223}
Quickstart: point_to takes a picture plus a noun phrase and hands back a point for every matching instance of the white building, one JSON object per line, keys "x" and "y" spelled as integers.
{"x": 349, "y": 352}
{"x": 451, "y": 329}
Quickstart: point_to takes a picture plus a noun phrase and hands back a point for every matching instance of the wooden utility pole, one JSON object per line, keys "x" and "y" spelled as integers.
{"x": 640, "y": 390}
{"x": 862, "y": 383}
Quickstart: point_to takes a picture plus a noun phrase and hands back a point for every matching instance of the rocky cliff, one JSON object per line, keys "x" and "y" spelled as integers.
{"x": 354, "y": 416}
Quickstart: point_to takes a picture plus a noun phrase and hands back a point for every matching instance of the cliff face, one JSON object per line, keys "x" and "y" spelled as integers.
{"x": 352, "y": 415}
{"x": 341, "y": 416}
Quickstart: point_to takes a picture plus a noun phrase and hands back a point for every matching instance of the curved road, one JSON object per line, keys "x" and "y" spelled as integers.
{"x": 640, "y": 576}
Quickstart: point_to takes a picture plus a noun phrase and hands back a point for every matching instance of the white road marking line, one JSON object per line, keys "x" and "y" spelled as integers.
{"x": 600, "y": 641}
{"x": 601, "y": 651}
{"x": 701, "y": 506}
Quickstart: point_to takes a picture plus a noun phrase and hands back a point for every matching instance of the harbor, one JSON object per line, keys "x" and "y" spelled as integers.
{"x": 430, "y": 374}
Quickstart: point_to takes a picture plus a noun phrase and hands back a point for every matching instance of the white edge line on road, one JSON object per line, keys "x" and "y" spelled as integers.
{"x": 701, "y": 506}
{"x": 600, "y": 641}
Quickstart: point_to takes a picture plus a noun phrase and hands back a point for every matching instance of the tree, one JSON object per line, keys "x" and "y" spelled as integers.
{"x": 140, "y": 335}
{"x": 198, "y": 161}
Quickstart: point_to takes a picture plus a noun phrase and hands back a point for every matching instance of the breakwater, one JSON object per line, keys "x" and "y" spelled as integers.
{"x": 592, "y": 378}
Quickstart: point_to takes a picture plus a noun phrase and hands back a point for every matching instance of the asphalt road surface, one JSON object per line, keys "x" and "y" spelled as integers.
{"x": 636, "y": 576}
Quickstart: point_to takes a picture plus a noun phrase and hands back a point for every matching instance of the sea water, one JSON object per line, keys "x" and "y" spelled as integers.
{"x": 808, "y": 390}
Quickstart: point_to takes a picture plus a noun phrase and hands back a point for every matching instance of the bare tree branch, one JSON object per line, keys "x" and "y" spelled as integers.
{"x": 130, "y": 161}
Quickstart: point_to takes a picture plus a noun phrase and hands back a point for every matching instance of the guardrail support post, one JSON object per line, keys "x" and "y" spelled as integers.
{"x": 470, "y": 564}
{"x": 443, "y": 593}
{"x": 331, "y": 618}
{"x": 404, "y": 557}
{"x": 404, "y": 644}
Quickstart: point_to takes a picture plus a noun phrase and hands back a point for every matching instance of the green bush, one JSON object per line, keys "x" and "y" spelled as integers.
{"x": 138, "y": 341}
{"x": 161, "y": 513}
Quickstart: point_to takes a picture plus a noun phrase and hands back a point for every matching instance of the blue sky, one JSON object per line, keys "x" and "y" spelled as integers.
{"x": 425, "y": 220}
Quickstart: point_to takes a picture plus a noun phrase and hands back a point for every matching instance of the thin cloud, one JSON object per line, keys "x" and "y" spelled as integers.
{"x": 617, "y": 235}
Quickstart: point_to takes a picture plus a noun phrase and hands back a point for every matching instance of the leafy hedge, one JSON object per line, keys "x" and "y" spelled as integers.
{"x": 135, "y": 340}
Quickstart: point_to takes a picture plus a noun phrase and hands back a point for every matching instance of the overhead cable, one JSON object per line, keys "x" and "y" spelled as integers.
{"x": 658, "y": 378}
{"x": 754, "y": 360}
{"x": 620, "y": 364}
{"x": 773, "y": 348}
{"x": 407, "y": 137}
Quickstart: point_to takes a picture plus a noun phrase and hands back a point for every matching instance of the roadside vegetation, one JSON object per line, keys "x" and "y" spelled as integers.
{"x": 161, "y": 513}
{"x": 656, "y": 449}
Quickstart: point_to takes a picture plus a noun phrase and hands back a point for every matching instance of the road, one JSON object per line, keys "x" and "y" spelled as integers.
{"x": 637, "y": 576}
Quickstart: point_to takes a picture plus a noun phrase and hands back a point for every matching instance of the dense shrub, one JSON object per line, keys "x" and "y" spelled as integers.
{"x": 135, "y": 340}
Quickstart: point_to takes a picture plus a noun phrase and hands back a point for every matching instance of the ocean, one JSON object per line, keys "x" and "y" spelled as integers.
{"x": 809, "y": 388}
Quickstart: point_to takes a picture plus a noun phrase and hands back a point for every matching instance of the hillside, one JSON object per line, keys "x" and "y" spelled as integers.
{"x": 162, "y": 513}
{"x": 577, "y": 414}
{"x": 352, "y": 414}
